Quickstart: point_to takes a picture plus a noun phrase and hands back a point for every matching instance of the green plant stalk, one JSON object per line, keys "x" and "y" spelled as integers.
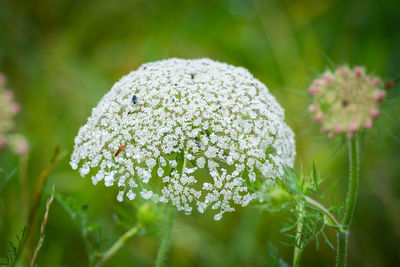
{"x": 166, "y": 239}
{"x": 298, "y": 250}
{"x": 117, "y": 245}
{"x": 23, "y": 176}
{"x": 350, "y": 201}
{"x": 325, "y": 211}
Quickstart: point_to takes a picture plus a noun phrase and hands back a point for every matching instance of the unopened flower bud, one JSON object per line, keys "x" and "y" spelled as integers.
{"x": 338, "y": 128}
{"x": 379, "y": 96}
{"x": 313, "y": 90}
{"x": 375, "y": 113}
{"x": 344, "y": 104}
{"x": 375, "y": 82}
{"x": 353, "y": 127}
{"x": 369, "y": 124}
{"x": 318, "y": 117}
{"x": 358, "y": 71}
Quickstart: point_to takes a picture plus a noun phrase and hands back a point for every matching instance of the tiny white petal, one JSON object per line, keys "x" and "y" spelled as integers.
{"x": 120, "y": 196}
{"x": 146, "y": 194}
{"x": 217, "y": 216}
{"x": 131, "y": 195}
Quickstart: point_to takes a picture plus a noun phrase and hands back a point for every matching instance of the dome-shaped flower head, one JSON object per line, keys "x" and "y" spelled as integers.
{"x": 8, "y": 109}
{"x": 189, "y": 132}
{"x": 346, "y": 100}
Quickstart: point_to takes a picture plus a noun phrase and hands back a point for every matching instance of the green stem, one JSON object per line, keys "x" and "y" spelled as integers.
{"x": 298, "y": 250}
{"x": 117, "y": 245}
{"x": 350, "y": 201}
{"x": 325, "y": 211}
{"x": 166, "y": 239}
{"x": 342, "y": 247}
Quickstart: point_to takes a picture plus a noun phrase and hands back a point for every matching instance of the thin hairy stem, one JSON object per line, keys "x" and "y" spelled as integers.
{"x": 298, "y": 250}
{"x": 350, "y": 201}
{"x": 325, "y": 211}
{"x": 118, "y": 244}
{"x": 166, "y": 239}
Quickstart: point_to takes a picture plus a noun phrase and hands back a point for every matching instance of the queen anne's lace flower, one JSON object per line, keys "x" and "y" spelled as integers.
{"x": 346, "y": 100}
{"x": 192, "y": 132}
{"x": 8, "y": 109}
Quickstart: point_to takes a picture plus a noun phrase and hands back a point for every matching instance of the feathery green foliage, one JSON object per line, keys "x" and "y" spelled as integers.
{"x": 14, "y": 251}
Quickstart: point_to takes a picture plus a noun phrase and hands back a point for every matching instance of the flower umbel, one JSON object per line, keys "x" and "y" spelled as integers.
{"x": 346, "y": 100}
{"x": 189, "y": 132}
{"x": 8, "y": 109}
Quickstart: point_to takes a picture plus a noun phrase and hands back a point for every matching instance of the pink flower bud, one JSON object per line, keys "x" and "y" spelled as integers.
{"x": 369, "y": 124}
{"x": 353, "y": 127}
{"x": 326, "y": 79}
{"x": 330, "y": 135}
{"x": 313, "y": 90}
{"x": 318, "y": 117}
{"x": 375, "y": 82}
{"x": 338, "y": 128}
{"x": 358, "y": 71}
{"x": 324, "y": 129}
{"x": 379, "y": 96}
{"x": 375, "y": 113}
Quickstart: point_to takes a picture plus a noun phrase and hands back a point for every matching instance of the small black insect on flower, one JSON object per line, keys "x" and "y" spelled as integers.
{"x": 134, "y": 99}
{"x": 200, "y": 145}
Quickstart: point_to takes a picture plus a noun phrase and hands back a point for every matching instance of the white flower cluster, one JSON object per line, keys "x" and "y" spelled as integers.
{"x": 192, "y": 132}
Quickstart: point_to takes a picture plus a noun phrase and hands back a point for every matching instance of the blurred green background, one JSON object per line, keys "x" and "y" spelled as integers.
{"x": 62, "y": 56}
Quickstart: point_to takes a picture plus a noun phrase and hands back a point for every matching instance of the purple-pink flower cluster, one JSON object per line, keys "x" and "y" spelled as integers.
{"x": 346, "y": 100}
